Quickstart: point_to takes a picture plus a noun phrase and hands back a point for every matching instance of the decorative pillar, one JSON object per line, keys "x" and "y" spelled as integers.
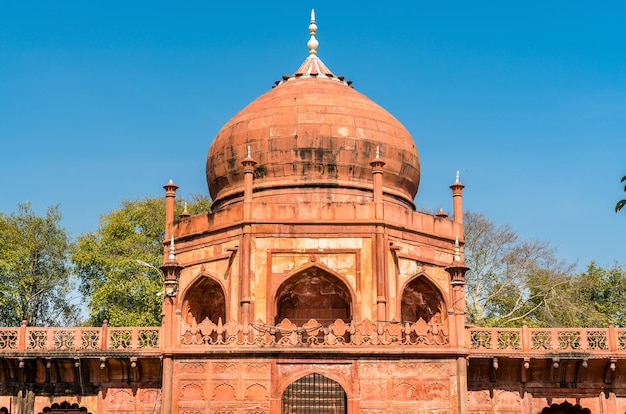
{"x": 171, "y": 274}
{"x": 170, "y": 198}
{"x": 244, "y": 260}
{"x": 380, "y": 252}
{"x": 457, "y": 203}
{"x": 457, "y": 270}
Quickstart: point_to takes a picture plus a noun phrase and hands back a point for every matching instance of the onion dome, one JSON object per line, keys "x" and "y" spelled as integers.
{"x": 313, "y": 134}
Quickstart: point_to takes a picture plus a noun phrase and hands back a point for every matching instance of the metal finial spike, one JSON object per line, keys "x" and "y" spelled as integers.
{"x": 377, "y": 151}
{"x": 249, "y": 153}
{"x": 312, "y": 43}
{"x": 172, "y": 256}
{"x": 457, "y": 176}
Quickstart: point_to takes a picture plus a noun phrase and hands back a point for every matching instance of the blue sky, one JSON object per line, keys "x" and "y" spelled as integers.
{"x": 105, "y": 101}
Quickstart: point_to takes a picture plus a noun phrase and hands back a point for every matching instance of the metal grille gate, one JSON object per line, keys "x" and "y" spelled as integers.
{"x": 314, "y": 394}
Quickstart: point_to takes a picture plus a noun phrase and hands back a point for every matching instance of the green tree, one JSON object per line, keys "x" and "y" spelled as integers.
{"x": 510, "y": 279}
{"x": 605, "y": 290}
{"x": 111, "y": 262}
{"x": 35, "y": 281}
{"x": 620, "y": 204}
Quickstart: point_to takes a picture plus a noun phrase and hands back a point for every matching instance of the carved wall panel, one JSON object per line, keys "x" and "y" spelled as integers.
{"x": 224, "y": 392}
{"x": 256, "y": 392}
{"x": 191, "y": 392}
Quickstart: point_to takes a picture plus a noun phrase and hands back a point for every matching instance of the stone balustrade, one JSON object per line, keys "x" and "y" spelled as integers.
{"x": 525, "y": 340}
{"x": 81, "y": 339}
{"x": 337, "y": 334}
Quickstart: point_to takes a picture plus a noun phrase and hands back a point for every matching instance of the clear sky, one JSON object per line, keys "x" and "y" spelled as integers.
{"x": 105, "y": 101}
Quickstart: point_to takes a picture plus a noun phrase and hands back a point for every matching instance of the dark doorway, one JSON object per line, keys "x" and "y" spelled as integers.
{"x": 205, "y": 299}
{"x": 314, "y": 394}
{"x": 420, "y": 300}
{"x": 313, "y": 294}
{"x": 65, "y": 408}
{"x": 565, "y": 408}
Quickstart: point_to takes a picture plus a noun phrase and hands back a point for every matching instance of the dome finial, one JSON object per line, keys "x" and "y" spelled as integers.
{"x": 457, "y": 176}
{"x": 312, "y": 43}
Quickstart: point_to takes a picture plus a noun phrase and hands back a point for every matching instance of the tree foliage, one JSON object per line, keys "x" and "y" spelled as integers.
{"x": 620, "y": 204}
{"x": 510, "y": 279}
{"x": 34, "y": 273}
{"x": 111, "y": 262}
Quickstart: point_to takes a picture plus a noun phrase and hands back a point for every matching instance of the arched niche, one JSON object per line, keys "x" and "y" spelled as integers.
{"x": 422, "y": 300}
{"x": 204, "y": 299}
{"x": 313, "y": 293}
{"x": 314, "y": 394}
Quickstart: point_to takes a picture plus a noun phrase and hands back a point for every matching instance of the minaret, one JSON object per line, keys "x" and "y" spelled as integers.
{"x": 457, "y": 203}
{"x": 244, "y": 260}
{"x": 170, "y": 199}
{"x": 171, "y": 273}
{"x": 457, "y": 270}
{"x": 380, "y": 253}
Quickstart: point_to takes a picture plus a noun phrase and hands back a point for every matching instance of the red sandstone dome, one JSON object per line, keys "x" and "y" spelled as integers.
{"x": 313, "y": 132}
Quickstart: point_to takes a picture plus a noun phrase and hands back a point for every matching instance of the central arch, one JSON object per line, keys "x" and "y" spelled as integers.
{"x": 313, "y": 293}
{"x": 314, "y": 394}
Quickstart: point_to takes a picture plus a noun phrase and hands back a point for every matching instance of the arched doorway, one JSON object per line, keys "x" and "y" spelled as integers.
{"x": 204, "y": 299}
{"x": 313, "y": 294}
{"x": 565, "y": 408}
{"x": 314, "y": 394}
{"x": 421, "y": 300}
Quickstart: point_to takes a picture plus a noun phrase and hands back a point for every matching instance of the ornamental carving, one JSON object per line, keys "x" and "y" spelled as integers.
{"x": 404, "y": 392}
{"x": 256, "y": 392}
{"x": 224, "y": 368}
{"x": 191, "y": 392}
{"x": 224, "y": 392}
{"x": 193, "y": 367}
{"x": 121, "y": 397}
{"x": 257, "y": 368}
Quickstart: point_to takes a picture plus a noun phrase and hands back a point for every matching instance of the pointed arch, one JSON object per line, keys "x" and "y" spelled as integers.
{"x": 314, "y": 393}
{"x": 422, "y": 299}
{"x": 313, "y": 292}
{"x": 204, "y": 299}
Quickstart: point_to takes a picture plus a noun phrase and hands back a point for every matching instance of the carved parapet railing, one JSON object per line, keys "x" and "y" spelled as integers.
{"x": 528, "y": 341}
{"x": 313, "y": 334}
{"x": 79, "y": 339}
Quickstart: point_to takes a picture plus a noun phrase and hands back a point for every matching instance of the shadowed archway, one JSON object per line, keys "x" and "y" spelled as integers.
{"x": 316, "y": 294}
{"x": 421, "y": 300}
{"x": 565, "y": 408}
{"x": 314, "y": 394}
{"x": 204, "y": 299}
{"x": 64, "y": 408}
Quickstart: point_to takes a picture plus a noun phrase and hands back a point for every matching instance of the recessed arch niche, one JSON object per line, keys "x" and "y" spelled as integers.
{"x": 422, "y": 300}
{"x": 204, "y": 299}
{"x": 314, "y": 394}
{"x": 313, "y": 293}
